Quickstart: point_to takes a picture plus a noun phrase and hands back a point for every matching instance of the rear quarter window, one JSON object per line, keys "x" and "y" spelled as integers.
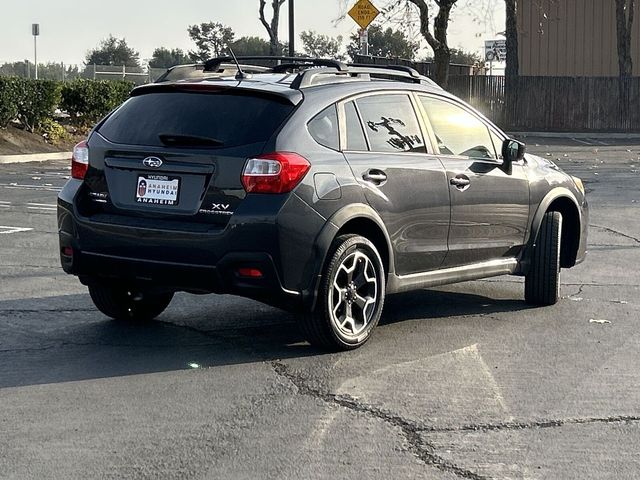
{"x": 324, "y": 128}
{"x": 231, "y": 119}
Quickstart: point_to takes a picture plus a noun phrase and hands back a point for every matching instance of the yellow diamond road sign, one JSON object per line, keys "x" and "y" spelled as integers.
{"x": 364, "y": 12}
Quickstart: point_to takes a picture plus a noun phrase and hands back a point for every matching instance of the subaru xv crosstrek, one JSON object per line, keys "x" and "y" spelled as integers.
{"x": 317, "y": 187}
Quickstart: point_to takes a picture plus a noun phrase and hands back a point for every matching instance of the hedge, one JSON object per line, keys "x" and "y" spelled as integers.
{"x": 37, "y": 102}
{"x": 9, "y": 99}
{"x": 87, "y": 101}
{"x": 32, "y": 102}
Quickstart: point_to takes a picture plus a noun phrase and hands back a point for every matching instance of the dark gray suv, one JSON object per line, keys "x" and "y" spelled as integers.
{"x": 315, "y": 186}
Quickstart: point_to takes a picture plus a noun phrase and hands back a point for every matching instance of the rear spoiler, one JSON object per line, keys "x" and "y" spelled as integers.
{"x": 231, "y": 87}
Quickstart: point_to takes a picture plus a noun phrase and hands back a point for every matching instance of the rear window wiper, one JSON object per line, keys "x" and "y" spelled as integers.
{"x": 177, "y": 140}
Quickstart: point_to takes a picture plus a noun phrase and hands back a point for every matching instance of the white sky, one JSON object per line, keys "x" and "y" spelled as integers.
{"x": 69, "y": 28}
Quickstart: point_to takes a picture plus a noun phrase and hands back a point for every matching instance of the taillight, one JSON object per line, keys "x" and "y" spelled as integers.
{"x": 80, "y": 160}
{"x": 277, "y": 172}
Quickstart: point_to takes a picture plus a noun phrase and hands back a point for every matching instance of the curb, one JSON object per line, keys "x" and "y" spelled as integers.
{"x": 570, "y": 135}
{"x": 35, "y": 157}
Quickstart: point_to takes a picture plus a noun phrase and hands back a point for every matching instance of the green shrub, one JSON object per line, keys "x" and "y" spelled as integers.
{"x": 87, "y": 101}
{"x": 37, "y": 101}
{"x": 53, "y": 132}
{"x": 9, "y": 95}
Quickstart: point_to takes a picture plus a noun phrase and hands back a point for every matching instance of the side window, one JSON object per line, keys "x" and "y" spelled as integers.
{"x": 457, "y": 131}
{"x": 355, "y": 134}
{"x": 324, "y": 128}
{"x": 391, "y": 124}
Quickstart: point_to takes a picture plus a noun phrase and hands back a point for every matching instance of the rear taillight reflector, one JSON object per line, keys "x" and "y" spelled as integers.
{"x": 250, "y": 272}
{"x": 80, "y": 160}
{"x": 278, "y": 172}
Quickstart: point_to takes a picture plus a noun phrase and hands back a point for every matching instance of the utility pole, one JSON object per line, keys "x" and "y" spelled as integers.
{"x": 35, "y": 31}
{"x": 292, "y": 32}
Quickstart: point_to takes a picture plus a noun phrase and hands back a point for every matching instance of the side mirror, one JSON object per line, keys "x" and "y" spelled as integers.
{"x": 512, "y": 151}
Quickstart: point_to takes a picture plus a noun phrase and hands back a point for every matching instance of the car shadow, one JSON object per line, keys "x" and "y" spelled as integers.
{"x": 432, "y": 304}
{"x": 62, "y": 339}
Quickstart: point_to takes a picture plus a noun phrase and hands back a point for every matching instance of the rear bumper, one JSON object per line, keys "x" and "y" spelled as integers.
{"x": 200, "y": 261}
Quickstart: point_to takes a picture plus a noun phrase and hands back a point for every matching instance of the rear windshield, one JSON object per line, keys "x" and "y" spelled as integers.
{"x": 229, "y": 119}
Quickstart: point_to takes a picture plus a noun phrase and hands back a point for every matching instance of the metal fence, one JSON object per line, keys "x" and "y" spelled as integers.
{"x": 64, "y": 72}
{"x": 559, "y": 104}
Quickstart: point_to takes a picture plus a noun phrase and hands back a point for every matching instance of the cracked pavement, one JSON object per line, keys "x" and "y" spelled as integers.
{"x": 463, "y": 381}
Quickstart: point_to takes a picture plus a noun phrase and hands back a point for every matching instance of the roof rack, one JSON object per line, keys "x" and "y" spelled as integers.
{"x": 321, "y": 76}
{"x": 214, "y": 63}
{"x": 400, "y": 68}
{"x": 318, "y": 71}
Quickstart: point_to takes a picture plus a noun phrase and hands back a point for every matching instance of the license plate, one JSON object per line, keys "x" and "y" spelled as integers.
{"x": 157, "y": 190}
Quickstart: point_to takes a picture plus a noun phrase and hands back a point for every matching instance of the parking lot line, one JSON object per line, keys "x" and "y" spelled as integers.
{"x": 581, "y": 141}
{"x": 46, "y": 209}
{"x": 5, "y": 229}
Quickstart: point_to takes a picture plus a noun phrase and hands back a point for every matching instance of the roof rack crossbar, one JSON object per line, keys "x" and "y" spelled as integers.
{"x": 400, "y": 68}
{"x": 214, "y": 63}
{"x": 312, "y": 77}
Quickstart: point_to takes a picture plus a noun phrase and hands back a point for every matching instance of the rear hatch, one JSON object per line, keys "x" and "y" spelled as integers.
{"x": 177, "y": 155}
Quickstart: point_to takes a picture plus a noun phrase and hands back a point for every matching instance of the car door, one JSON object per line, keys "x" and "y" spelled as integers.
{"x": 384, "y": 145}
{"x": 489, "y": 207}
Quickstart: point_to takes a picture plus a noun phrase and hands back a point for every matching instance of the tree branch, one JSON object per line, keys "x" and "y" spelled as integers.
{"x": 263, "y": 20}
{"x": 423, "y": 8}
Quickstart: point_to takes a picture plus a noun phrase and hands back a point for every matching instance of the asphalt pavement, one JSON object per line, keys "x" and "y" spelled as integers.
{"x": 464, "y": 381}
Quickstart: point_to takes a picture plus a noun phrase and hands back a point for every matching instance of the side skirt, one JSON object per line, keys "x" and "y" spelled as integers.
{"x": 405, "y": 283}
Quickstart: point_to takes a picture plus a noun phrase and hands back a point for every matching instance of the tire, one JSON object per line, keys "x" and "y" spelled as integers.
{"x": 350, "y": 298}
{"x": 542, "y": 282}
{"x": 122, "y": 304}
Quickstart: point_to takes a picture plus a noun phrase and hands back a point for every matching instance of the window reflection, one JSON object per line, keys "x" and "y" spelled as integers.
{"x": 391, "y": 123}
{"x": 457, "y": 131}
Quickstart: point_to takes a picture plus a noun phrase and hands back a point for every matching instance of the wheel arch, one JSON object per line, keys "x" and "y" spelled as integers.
{"x": 558, "y": 200}
{"x": 357, "y": 218}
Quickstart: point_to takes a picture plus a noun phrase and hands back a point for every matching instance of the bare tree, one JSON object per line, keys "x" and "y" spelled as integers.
{"x": 405, "y": 14}
{"x": 624, "y": 24}
{"x": 272, "y": 25}
{"x": 511, "y": 32}
{"x": 438, "y": 39}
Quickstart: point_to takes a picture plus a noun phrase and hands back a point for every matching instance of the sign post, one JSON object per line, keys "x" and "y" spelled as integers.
{"x": 363, "y": 13}
{"x": 364, "y": 41}
{"x": 35, "y": 31}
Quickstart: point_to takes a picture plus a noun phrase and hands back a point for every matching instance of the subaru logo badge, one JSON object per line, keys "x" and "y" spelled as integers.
{"x": 152, "y": 162}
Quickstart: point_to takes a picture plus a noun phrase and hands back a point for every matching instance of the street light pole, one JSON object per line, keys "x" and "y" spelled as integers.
{"x": 292, "y": 34}
{"x": 35, "y": 31}
{"x": 35, "y": 54}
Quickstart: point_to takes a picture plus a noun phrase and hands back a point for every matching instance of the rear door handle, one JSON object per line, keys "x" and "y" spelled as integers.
{"x": 375, "y": 176}
{"x": 461, "y": 182}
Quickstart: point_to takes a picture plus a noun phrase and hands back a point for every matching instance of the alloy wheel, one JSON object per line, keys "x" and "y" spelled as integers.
{"x": 354, "y": 294}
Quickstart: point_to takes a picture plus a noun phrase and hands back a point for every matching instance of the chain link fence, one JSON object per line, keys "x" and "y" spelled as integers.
{"x": 65, "y": 72}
